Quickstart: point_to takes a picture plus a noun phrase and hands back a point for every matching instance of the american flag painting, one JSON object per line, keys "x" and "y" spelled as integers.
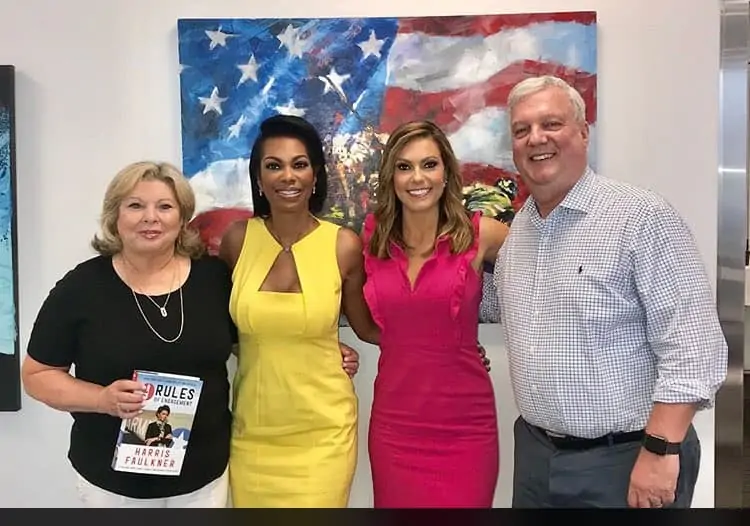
{"x": 355, "y": 80}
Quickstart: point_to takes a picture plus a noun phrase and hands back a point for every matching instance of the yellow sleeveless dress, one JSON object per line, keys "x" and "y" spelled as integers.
{"x": 294, "y": 432}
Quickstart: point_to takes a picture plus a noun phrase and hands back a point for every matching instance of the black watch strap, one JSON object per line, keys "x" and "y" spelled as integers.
{"x": 660, "y": 445}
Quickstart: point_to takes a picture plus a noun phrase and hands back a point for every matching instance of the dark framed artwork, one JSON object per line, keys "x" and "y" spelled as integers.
{"x": 10, "y": 376}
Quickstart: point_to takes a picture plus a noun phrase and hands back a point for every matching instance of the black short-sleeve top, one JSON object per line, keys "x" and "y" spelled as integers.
{"x": 91, "y": 321}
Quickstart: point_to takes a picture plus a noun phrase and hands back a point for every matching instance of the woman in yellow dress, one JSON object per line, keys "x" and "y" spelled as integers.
{"x": 294, "y": 436}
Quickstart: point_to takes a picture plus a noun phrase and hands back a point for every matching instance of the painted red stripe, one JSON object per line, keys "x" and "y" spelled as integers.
{"x": 484, "y": 173}
{"x": 212, "y": 224}
{"x": 487, "y": 24}
{"x": 450, "y": 109}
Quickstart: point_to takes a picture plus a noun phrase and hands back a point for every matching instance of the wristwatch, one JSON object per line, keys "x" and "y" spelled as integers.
{"x": 660, "y": 445}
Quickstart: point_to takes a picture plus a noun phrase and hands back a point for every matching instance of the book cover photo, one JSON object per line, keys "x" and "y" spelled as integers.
{"x": 156, "y": 441}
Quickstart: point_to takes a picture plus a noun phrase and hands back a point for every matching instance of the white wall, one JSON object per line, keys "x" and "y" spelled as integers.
{"x": 98, "y": 88}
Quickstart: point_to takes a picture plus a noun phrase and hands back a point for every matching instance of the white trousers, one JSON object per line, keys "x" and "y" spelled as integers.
{"x": 212, "y": 495}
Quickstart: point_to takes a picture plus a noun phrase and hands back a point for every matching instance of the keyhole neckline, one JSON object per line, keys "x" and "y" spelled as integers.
{"x": 299, "y": 240}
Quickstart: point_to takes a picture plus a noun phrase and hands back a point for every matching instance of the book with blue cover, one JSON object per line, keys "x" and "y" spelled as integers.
{"x": 156, "y": 441}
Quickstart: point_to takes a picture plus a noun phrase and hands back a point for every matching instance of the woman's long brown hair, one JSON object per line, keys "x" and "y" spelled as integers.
{"x": 454, "y": 220}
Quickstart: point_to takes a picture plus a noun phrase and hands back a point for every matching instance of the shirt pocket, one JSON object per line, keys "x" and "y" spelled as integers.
{"x": 596, "y": 295}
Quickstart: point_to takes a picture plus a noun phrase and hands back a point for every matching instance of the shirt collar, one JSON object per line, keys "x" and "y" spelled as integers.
{"x": 580, "y": 197}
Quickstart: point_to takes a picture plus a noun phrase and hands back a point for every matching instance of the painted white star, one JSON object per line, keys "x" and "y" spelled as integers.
{"x": 179, "y": 442}
{"x": 249, "y": 70}
{"x": 181, "y": 68}
{"x": 290, "y": 39}
{"x": 334, "y": 81}
{"x": 297, "y": 49}
{"x": 218, "y": 38}
{"x": 236, "y": 128}
{"x": 290, "y": 109}
{"x": 212, "y": 103}
{"x": 288, "y": 36}
{"x": 371, "y": 46}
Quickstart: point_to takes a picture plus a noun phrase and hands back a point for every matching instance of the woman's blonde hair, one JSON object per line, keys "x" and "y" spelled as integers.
{"x": 454, "y": 220}
{"x": 108, "y": 243}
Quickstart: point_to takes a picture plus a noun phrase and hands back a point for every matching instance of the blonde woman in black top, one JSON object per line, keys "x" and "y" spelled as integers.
{"x": 152, "y": 299}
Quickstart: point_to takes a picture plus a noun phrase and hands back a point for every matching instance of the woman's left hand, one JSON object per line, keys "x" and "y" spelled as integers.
{"x": 350, "y": 359}
{"x": 483, "y": 354}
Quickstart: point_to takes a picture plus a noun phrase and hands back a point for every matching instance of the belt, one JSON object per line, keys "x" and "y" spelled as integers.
{"x": 579, "y": 444}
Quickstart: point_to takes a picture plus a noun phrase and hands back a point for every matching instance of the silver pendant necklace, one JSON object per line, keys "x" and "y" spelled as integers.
{"x": 143, "y": 315}
{"x": 162, "y": 311}
{"x": 162, "y": 308}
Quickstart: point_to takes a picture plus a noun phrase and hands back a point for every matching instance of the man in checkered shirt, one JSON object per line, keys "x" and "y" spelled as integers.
{"x": 610, "y": 325}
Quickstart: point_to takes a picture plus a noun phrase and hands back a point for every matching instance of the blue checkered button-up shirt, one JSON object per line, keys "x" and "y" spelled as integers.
{"x": 606, "y": 308}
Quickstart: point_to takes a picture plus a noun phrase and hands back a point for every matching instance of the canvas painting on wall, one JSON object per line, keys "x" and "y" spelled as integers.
{"x": 10, "y": 380}
{"x": 355, "y": 80}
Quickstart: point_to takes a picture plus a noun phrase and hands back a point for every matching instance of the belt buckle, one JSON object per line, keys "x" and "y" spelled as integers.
{"x": 552, "y": 434}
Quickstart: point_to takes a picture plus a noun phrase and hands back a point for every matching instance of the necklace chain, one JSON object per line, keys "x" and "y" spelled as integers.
{"x": 143, "y": 315}
{"x": 285, "y": 248}
{"x": 162, "y": 311}
{"x": 162, "y": 308}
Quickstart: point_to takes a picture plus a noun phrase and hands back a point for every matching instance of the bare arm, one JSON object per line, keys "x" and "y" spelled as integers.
{"x": 58, "y": 389}
{"x": 55, "y": 387}
{"x": 351, "y": 265}
{"x": 229, "y": 252}
{"x": 231, "y": 243}
{"x": 492, "y": 234}
{"x": 52, "y": 350}
{"x": 671, "y": 421}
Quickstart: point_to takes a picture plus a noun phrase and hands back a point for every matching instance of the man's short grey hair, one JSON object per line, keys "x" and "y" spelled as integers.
{"x": 532, "y": 85}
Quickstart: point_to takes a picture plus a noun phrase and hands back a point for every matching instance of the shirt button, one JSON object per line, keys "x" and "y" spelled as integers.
{"x": 534, "y": 389}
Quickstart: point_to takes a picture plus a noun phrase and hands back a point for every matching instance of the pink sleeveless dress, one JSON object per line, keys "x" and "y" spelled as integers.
{"x": 433, "y": 438}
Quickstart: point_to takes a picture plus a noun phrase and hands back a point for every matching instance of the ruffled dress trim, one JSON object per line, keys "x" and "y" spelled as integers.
{"x": 464, "y": 270}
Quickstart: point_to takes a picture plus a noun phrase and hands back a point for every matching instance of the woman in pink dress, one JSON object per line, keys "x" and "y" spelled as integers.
{"x": 433, "y": 439}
